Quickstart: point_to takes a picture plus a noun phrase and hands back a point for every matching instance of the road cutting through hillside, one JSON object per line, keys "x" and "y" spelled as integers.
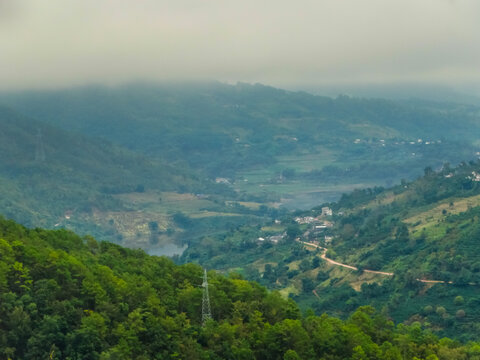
{"x": 324, "y": 256}
{"x": 333, "y": 262}
{"x": 438, "y": 281}
{"x": 379, "y": 272}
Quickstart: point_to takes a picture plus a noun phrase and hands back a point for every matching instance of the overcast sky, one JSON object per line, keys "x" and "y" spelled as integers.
{"x": 56, "y": 43}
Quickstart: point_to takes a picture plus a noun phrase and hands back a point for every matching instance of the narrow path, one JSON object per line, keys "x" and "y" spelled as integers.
{"x": 436, "y": 281}
{"x": 379, "y": 272}
{"x": 333, "y": 262}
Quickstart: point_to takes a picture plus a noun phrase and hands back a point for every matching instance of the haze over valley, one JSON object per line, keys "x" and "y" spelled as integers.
{"x": 139, "y": 154}
{"x": 235, "y": 180}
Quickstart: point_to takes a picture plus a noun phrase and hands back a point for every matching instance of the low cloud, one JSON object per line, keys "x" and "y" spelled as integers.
{"x": 59, "y": 43}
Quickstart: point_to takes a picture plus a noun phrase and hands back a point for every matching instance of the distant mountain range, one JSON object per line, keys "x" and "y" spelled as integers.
{"x": 244, "y": 143}
{"x": 223, "y": 128}
{"x": 401, "y": 92}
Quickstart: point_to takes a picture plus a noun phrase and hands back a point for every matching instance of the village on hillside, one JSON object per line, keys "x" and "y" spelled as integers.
{"x": 317, "y": 232}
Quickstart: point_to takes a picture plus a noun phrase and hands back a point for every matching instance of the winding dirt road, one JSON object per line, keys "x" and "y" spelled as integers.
{"x": 333, "y": 262}
{"x": 324, "y": 256}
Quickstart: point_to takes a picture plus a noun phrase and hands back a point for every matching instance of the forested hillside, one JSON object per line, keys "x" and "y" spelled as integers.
{"x": 411, "y": 250}
{"x": 132, "y": 159}
{"x": 259, "y": 137}
{"x": 67, "y": 297}
{"x": 212, "y": 167}
{"x": 50, "y": 176}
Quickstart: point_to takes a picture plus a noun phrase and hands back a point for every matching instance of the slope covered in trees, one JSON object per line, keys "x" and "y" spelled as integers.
{"x": 226, "y": 130}
{"x": 263, "y": 146}
{"x": 66, "y": 297}
{"x": 48, "y": 174}
{"x": 411, "y": 250}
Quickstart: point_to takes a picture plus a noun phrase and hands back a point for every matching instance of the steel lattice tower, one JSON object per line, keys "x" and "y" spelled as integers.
{"x": 206, "y": 312}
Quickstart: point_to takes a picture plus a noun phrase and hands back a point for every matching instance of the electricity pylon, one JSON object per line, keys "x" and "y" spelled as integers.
{"x": 206, "y": 312}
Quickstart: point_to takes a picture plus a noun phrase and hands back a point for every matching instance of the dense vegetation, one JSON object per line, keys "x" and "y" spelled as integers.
{"x": 432, "y": 222}
{"x": 427, "y": 229}
{"x": 206, "y": 166}
{"x": 129, "y": 158}
{"x": 47, "y": 173}
{"x": 67, "y": 297}
{"x": 223, "y": 130}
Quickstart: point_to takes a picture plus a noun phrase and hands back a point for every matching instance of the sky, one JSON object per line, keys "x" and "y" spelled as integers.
{"x": 285, "y": 43}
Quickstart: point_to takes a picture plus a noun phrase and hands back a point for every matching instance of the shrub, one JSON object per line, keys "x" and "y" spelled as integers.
{"x": 441, "y": 310}
{"x": 458, "y": 300}
{"x": 428, "y": 309}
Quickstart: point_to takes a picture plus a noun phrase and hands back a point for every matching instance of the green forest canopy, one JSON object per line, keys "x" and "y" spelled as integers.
{"x": 66, "y": 297}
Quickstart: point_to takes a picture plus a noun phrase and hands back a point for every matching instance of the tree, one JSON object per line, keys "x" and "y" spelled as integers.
{"x": 305, "y": 265}
{"x": 291, "y": 355}
{"x": 288, "y": 173}
{"x": 269, "y": 274}
{"x": 182, "y": 220}
{"x": 293, "y": 231}
{"x": 428, "y": 309}
{"x": 322, "y": 276}
{"x": 428, "y": 171}
{"x": 359, "y": 353}
{"x": 307, "y": 285}
{"x": 441, "y": 311}
{"x": 458, "y": 300}
{"x": 287, "y": 335}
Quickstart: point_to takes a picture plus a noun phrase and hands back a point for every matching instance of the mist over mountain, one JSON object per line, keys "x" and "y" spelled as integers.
{"x": 239, "y": 180}
{"x": 276, "y": 42}
{"x": 52, "y": 177}
{"x": 240, "y": 132}
{"x": 247, "y": 124}
{"x": 399, "y": 91}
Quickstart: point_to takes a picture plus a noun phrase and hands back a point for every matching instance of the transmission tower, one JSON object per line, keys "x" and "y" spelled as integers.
{"x": 206, "y": 312}
{"x": 39, "y": 150}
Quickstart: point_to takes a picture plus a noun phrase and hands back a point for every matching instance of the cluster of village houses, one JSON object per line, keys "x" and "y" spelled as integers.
{"x": 274, "y": 239}
{"x": 383, "y": 142}
{"x": 318, "y": 229}
{"x": 475, "y": 176}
